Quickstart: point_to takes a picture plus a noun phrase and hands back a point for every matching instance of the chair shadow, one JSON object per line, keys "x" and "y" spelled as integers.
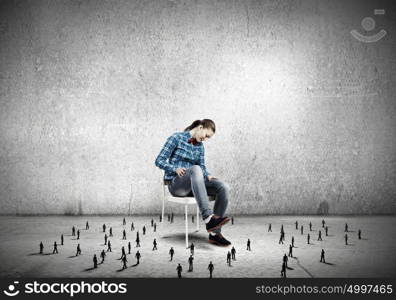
{"x": 179, "y": 238}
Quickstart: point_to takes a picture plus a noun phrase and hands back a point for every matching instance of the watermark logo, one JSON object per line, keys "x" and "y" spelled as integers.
{"x": 368, "y": 24}
{"x": 12, "y": 291}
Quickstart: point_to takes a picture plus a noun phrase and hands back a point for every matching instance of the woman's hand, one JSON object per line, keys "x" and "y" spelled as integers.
{"x": 180, "y": 171}
{"x": 211, "y": 177}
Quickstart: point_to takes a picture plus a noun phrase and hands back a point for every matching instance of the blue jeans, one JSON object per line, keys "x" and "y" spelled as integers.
{"x": 194, "y": 184}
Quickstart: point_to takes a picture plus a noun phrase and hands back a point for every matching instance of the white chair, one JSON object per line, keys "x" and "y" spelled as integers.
{"x": 167, "y": 196}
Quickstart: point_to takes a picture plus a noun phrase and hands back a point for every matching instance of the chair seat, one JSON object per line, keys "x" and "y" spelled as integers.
{"x": 183, "y": 200}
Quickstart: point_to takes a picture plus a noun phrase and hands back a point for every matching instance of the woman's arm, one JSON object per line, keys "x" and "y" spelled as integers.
{"x": 202, "y": 162}
{"x": 162, "y": 159}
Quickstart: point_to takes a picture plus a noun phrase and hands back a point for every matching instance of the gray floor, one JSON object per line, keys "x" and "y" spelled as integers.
{"x": 373, "y": 256}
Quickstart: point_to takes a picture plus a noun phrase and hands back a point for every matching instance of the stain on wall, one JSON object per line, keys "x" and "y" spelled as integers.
{"x": 90, "y": 90}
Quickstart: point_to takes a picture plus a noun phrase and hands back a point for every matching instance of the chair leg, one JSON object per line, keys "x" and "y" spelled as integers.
{"x": 197, "y": 218}
{"x": 162, "y": 234}
{"x": 185, "y": 210}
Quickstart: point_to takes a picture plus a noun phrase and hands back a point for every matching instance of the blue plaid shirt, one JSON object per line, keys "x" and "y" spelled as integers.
{"x": 181, "y": 154}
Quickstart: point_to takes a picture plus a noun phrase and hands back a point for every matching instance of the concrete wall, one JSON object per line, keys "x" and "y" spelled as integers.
{"x": 90, "y": 90}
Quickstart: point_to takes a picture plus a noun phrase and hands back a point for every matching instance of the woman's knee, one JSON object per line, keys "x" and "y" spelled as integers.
{"x": 225, "y": 186}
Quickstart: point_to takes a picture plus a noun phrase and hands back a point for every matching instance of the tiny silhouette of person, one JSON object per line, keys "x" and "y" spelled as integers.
{"x": 129, "y": 247}
{"x": 137, "y": 239}
{"x": 86, "y": 225}
{"x": 138, "y": 256}
{"x": 248, "y": 245}
{"x": 290, "y": 250}
{"x": 296, "y": 225}
{"x": 302, "y": 230}
{"x": 190, "y": 263}
{"x": 282, "y": 231}
{"x": 281, "y": 238}
{"x": 78, "y": 234}
{"x": 172, "y": 216}
{"x": 122, "y": 252}
{"x": 95, "y": 261}
{"x": 160, "y": 218}
{"x": 359, "y": 234}
{"x": 108, "y": 246}
{"x": 192, "y": 247}
{"x": 132, "y": 227}
{"x": 124, "y": 262}
{"x": 124, "y": 234}
{"x": 179, "y": 270}
{"x": 103, "y": 255}
{"x": 323, "y": 223}
{"x": 310, "y": 226}
{"x": 192, "y": 218}
{"x": 322, "y": 256}
{"x": 327, "y": 230}
{"x": 346, "y": 239}
{"x": 232, "y": 220}
{"x": 78, "y": 252}
{"x": 233, "y": 251}
{"x": 171, "y": 252}
{"x": 144, "y": 230}
{"x": 283, "y": 270}
{"x": 292, "y": 241}
{"x": 111, "y": 231}
{"x": 319, "y": 236}
{"x": 168, "y": 217}
{"x": 152, "y": 223}
{"x": 41, "y": 247}
{"x": 155, "y": 227}
{"x": 346, "y": 227}
{"x": 269, "y": 227}
{"x": 55, "y": 248}
{"x": 73, "y": 231}
{"x": 105, "y": 238}
{"x": 104, "y": 227}
{"x": 229, "y": 258}
{"x": 210, "y": 268}
{"x": 155, "y": 245}
{"x": 308, "y": 238}
{"x": 123, "y": 221}
{"x": 62, "y": 239}
{"x": 285, "y": 259}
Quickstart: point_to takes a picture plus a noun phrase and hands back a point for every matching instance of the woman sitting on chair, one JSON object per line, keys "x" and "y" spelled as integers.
{"x": 183, "y": 160}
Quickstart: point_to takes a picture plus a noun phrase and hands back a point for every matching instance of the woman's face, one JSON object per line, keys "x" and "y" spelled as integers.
{"x": 203, "y": 134}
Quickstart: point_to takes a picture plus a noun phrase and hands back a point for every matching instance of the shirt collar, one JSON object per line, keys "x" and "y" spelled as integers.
{"x": 188, "y": 135}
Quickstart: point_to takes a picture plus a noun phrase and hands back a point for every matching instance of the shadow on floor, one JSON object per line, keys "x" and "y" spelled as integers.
{"x": 196, "y": 238}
